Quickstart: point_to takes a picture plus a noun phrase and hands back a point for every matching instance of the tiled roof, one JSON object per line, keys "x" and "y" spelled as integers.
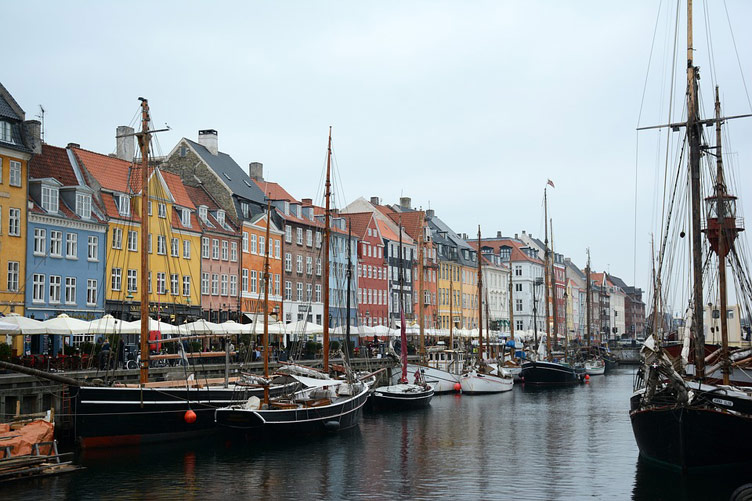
{"x": 411, "y": 222}
{"x": 53, "y": 162}
{"x": 178, "y": 223}
{"x": 516, "y": 254}
{"x": 111, "y": 173}
{"x": 201, "y": 197}
{"x": 6, "y": 111}
{"x": 176, "y": 187}
{"x": 359, "y": 222}
{"x": 274, "y": 191}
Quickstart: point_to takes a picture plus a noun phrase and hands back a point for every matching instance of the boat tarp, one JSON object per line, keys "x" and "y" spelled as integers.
{"x": 317, "y": 383}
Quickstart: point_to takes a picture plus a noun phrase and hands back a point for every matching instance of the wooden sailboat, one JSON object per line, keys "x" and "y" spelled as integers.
{"x": 326, "y": 405}
{"x": 404, "y": 395}
{"x": 479, "y": 379}
{"x": 682, "y": 420}
{"x": 549, "y": 371}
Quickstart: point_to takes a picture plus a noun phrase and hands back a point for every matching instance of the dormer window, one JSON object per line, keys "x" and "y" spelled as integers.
{"x": 185, "y": 217}
{"x": 203, "y": 211}
{"x": 245, "y": 209}
{"x": 50, "y": 199}
{"x": 83, "y": 205}
{"x": 221, "y": 217}
{"x": 123, "y": 203}
{"x": 5, "y": 132}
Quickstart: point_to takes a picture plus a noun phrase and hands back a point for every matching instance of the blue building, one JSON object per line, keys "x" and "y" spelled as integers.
{"x": 66, "y": 248}
{"x": 338, "y": 248}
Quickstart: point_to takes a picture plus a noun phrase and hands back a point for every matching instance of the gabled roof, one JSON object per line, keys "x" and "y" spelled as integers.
{"x": 6, "y": 110}
{"x": 177, "y": 188}
{"x": 274, "y": 191}
{"x": 359, "y": 222}
{"x": 411, "y": 222}
{"x": 53, "y": 162}
{"x": 200, "y": 196}
{"x": 111, "y": 173}
{"x": 229, "y": 172}
{"x": 516, "y": 246}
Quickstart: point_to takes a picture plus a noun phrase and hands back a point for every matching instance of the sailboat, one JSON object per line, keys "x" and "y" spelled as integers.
{"x": 549, "y": 371}
{"x": 325, "y": 405}
{"x": 479, "y": 379}
{"x": 594, "y": 365}
{"x": 678, "y": 419}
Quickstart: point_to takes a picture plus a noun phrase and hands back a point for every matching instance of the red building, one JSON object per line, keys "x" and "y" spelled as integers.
{"x": 373, "y": 297}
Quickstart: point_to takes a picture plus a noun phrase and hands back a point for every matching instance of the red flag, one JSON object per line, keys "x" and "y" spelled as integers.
{"x": 403, "y": 347}
{"x": 551, "y": 183}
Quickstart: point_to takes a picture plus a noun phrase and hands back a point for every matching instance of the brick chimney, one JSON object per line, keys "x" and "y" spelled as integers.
{"x": 208, "y": 139}
{"x": 126, "y": 143}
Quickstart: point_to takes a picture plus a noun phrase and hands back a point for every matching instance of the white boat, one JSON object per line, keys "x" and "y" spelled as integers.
{"x": 595, "y": 367}
{"x": 475, "y": 383}
{"x": 442, "y": 369}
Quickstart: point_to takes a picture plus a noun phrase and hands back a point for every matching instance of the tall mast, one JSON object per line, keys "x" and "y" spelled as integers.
{"x": 451, "y": 313}
{"x": 266, "y": 298}
{"x": 144, "y": 138}
{"x": 403, "y": 337}
{"x": 421, "y": 294}
{"x": 327, "y": 215}
{"x": 488, "y": 330}
{"x": 511, "y": 303}
{"x": 588, "y": 300}
{"x": 694, "y": 132}
{"x": 567, "y": 298}
{"x": 553, "y": 293}
{"x": 720, "y": 194}
{"x": 480, "y": 301}
{"x": 349, "y": 275}
{"x": 545, "y": 271}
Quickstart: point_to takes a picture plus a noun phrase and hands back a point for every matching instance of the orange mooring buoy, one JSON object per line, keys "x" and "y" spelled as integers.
{"x": 190, "y": 416}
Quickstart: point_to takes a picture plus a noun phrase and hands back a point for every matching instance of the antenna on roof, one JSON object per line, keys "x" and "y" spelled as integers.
{"x": 41, "y": 119}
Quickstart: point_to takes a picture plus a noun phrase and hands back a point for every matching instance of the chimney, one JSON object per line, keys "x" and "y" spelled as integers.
{"x": 523, "y": 232}
{"x": 126, "y": 143}
{"x": 375, "y": 201}
{"x": 208, "y": 139}
{"x": 405, "y": 202}
{"x": 256, "y": 171}
{"x": 73, "y": 145}
{"x": 498, "y": 234}
{"x": 429, "y": 213}
{"x": 307, "y": 201}
{"x": 516, "y": 236}
{"x": 33, "y": 133}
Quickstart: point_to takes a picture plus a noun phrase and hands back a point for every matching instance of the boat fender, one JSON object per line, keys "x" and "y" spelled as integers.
{"x": 331, "y": 425}
{"x": 190, "y": 416}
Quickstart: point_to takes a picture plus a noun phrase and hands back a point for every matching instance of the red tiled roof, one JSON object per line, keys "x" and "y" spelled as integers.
{"x": 201, "y": 197}
{"x": 516, "y": 255}
{"x": 411, "y": 222}
{"x": 274, "y": 191}
{"x": 359, "y": 222}
{"x": 110, "y": 172}
{"x": 177, "y": 188}
{"x": 177, "y": 222}
{"x": 53, "y": 162}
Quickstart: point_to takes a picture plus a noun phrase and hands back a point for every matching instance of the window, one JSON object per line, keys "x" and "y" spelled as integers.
{"x": 519, "y": 325}
{"x": 161, "y": 279}
{"x": 518, "y": 271}
{"x": 131, "y": 280}
{"x": 245, "y": 209}
{"x": 123, "y": 203}
{"x": 116, "y": 280}
{"x": 132, "y": 241}
{"x": 91, "y": 292}
{"x": 161, "y": 210}
{"x": 215, "y": 284}
{"x": 234, "y": 252}
{"x": 148, "y": 243}
{"x": 148, "y": 282}
{"x": 148, "y": 205}
{"x": 55, "y": 282}
{"x": 299, "y": 239}
{"x": 187, "y": 249}
{"x": 40, "y": 241}
{"x": 83, "y": 205}
{"x": 318, "y": 266}
{"x": 71, "y": 245}
{"x": 175, "y": 247}
{"x": 309, "y": 292}
{"x": 300, "y": 292}
{"x": 92, "y": 253}
{"x": 299, "y": 264}
{"x": 175, "y": 284}
{"x": 70, "y": 290}
{"x": 224, "y": 285}
{"x": 186, "y": 285}
{"x": 253, "y": 281}
{"x": 244, "y": 280}
{"x": 518, "y": 305}
{"x": 245, "y": 241}
{"x": 221, "y": 217}
{"x": 215, "y": 248}
{"x": 203, "y": 212}
{"x": 309, "y": 265}
{"x": 15, "y": 173}
{"x": 318, "y": 239}
{"x": 224, "y": 250}
{"x": 205, "y": 283}
{"x": 161, "y": 244}
{"x": 233, "y": 285}
{"x": 185, "y": 217}
{"x": 318, "y": 293}
{"x": 14, "y": 222}
{"x": 288, "y": 234}
{"x": 309, "y": 238}
{"x": 276, "y": 285}
{"x": 5, "y": 132}
{"x": 117, "y": 239}
{"x": 518, "y": 287}
{"x": 205, "y": 248}
{"x": 37, "y": 294}
{"x": 288, "y": 290}
{"x": 253, "y": 244}
{"x": 50, "y": 200}
{"x": 288, "y": 262}
{"x": 262, "y": 246}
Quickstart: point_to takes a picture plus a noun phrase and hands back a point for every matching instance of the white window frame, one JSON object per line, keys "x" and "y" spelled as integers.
{"x": 92, "y": 246}
{"x": 71, "y": 246}
{"x": 40, "y": 241}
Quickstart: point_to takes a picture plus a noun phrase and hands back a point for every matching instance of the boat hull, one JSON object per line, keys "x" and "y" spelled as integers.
{"x": 479, "y": 384}
{"x": 263, "y": 423}
{"x": 686, "y": 437}
{"x": 392, "y": 398}
{"x": 548, "y": 373}
{"x": 440, "y": 380}
{"x": 120, "y": 416}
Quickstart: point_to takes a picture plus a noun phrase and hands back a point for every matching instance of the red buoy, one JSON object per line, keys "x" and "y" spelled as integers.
{"x": 587, "y": 378}
{"x": 457, "y": 387}
{"x": 190, "y": 416}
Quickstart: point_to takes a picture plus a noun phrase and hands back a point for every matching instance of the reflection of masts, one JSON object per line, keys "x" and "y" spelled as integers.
{"x": 480, "y": 302}
{"x": 327, "y": 215}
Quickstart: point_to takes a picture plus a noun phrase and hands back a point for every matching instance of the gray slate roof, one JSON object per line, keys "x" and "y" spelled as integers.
{"x": 230, "y": 173}
{"x": 6, "y": 111}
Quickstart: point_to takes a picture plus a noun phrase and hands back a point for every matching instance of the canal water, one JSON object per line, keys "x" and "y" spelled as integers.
{"x": 563, "y": 443}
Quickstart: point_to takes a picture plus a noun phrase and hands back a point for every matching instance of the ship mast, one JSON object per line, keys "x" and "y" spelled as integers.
{"x": 553, "y": 292}
{"x": 144, "y": 138}
{"x": 421, "y": 294}
{"x": 545, "y": 271}
{"x": 587, "y": 299}
{"x": 480, "y": 302}
{"x": 327, "y": 215}
{"x": 451, "y": 304}
{"x": 266, "y": 299}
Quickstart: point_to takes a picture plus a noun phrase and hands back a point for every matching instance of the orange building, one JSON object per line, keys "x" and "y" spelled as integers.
{"x": 253, "y": 252}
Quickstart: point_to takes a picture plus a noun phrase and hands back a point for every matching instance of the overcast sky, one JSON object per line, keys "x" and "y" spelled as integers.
{"x": 467, "y": 106}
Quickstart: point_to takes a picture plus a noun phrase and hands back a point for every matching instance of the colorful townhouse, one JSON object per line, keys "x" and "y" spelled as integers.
{"x": 220, "y": 259}
{"x": 173, "y": 238}
{"x": 66, "y": 252}
{"x": 256, "y": 249}
{"x": 19, "y": 139}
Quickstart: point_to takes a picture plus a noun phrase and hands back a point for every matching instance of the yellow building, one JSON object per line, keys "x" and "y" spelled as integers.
{"x": 462, "y": 281}
{"x": 173, "y": 240}
{"x": 16, "y": 147}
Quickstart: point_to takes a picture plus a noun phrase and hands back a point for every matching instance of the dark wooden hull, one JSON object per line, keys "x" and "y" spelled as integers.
{"x": 113, "y": 416}
{"x": 261, "y": 423}
{"x": 694, "y": 436}
{"x": 386, "y": 400}
{"x": 549, "y": 373}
